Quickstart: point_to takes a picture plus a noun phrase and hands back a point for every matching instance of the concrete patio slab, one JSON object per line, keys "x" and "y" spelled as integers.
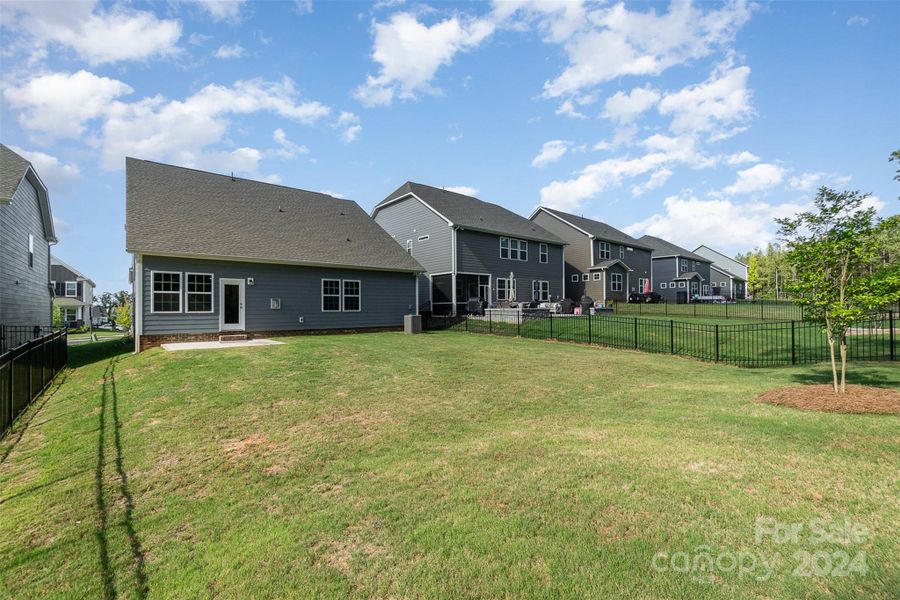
{"x": 175, "y": 347}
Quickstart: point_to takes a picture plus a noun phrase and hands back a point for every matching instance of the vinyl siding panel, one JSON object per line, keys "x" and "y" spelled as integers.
{"x": 25, "y": 297}
{"x": 386, "y": 297}
{"x": 578, "y": 256}
{"x": 409, "y": 219}
{"x": 480, "y": 253}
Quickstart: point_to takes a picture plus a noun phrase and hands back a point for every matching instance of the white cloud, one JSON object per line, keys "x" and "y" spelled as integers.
{"x": 60, "y": 178}
{"x": 656, "y": 180}
{"x": 857, "y": 20}
{"x": 805, "y": 181}
{"x": 226, "y": 51}
{"x": 551, "y": 152}
{"x": 742, "y": 157}
{"x": 198, "y": 39}
{"x": 222, "y": 10}
{"x": 350, "y": 123}
{"x": 722, "y": 223}
{"x": 59, "y": 104}
{"x": 96, "y": 35}
{"x": 462, "y": 189}
{"x": 331, "y": 193}
{"x": 410, "y": 53}
{"x": 625, "y": 108}
{"x": 287, "y": 148}
{"x": 303, "y": 7}
{"x": 567, "y": 109}
{"x": 60, "y": 226}
{"x": 707, "y": 107}
{"x": 757, "y": 178}
{"x": 612, "y": 42}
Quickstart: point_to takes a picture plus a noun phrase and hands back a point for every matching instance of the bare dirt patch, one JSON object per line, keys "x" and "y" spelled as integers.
{"x": 857, "y": 399}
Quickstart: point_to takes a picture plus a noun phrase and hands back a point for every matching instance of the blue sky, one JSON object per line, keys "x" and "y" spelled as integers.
{"x": 695, "y": 122}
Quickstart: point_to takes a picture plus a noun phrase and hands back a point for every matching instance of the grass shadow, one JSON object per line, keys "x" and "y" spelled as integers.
{"x": 857, "y": 374}
{"x": 22, "y": 424}
{"x": 109, "y": 401}
{"x": 94, "y": 352}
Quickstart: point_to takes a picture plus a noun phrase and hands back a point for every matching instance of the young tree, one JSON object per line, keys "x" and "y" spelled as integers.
{"x": 108, "y": 302}
{"x": 835, "y": 250}
{"x": 123, "y": 316}
{"x": 57, "y": 316}
{"x": 754, "y": 282}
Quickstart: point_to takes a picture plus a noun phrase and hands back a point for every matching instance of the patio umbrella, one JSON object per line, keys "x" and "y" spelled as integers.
{"x": 511, "y": 292}
{"x": 646, "y": 286}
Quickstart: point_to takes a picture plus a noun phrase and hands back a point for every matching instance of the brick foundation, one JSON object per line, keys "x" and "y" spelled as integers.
{"x": 153, "y": 341}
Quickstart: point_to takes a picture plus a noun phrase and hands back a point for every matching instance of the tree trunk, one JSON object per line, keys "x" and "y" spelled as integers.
{"x": 834, "y": 375}
{"x": 843, "y": 365}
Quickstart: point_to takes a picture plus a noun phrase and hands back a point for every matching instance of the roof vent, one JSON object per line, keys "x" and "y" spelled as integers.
{"x": 280, "y": 209}
{"x": 348, "y": 239}
{"x": 232, "y": 175}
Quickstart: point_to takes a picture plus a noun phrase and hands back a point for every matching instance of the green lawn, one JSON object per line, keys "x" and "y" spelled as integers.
{"x": 442, "y": 465}
{"x": 100, "y": 333}
{"x": 760, "y": 310}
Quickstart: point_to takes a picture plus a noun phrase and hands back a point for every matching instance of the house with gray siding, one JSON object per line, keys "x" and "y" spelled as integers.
{"x": 26, "y": 233}
{"x": 216, "y": 255}
{"x": 470, "y": 248}
{"x": 729, "y": 275}
{"x": 73, "y": 293}
{"x": 601, "y": 261}
{"x": 679, "y": 275}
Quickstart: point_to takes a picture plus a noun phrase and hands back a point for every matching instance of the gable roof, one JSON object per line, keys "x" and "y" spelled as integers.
{"x": 178, "y": 211}
{"x": 716, "y": 252}
{"x": 725, "y": 272}
{"x": 469, "y": 212}
{"x": 597, "y": 229}
{"x": 669, "y": 249}
{"x": 605, "y": 264}
{"x": 54, "y": 260}
{"x": 15, "y": 168}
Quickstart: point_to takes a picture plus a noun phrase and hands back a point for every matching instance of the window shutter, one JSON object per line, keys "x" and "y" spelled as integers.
{"x": 80, "y": 289}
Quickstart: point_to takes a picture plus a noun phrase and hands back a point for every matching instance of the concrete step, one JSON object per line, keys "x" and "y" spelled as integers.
{"x": 233, "y": 337}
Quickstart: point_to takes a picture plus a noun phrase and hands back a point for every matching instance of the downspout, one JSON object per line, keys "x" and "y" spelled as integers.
{"x": 416, "y": 280}
{"x": 453, "y": 274}
{"x": 137, "y": 310}
{"x": 562, "y": 290}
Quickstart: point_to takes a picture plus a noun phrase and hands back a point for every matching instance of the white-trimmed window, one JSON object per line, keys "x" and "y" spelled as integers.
{"x": 423, "y": 238}
{"x": 685, "y": 266}
{"x": 598, "y": 276}
{"x": 615, "y": 282}
{"x": 621, "y": 251}
{"x": 642, "y": 281}
{"x": 574, "y": 277}
{"x": 199, "y": 292}
{"x": 513, "y": 249}
{"x": 71, "y": 289}
{"x": 681, "y": 284}
{"x": 695, "y": 287}
{"x": 331, "y": 295}
{"x": 544, "y": 252}
{"x": 352, "y": 301}
{"x": 603, "y": 250}
{"x": 540, "y": 290}
{"x": 409, "y": 246}
{"x": 584, "y": 277}
{"x": 663, "y": 285}
{"x": 31, "y": 250}
{"x": 70, "y": 314}
{"x": 165, "y": 289}
{"x": 502, "y": 288}
{"x": 705, "y": 290}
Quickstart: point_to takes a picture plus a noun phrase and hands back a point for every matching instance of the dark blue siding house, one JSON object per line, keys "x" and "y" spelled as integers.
{"x": 222, "y": 256}
{"x": 26, "y": 233}
{"x": 679, "y": 275}
{"x": 472, "y": 249}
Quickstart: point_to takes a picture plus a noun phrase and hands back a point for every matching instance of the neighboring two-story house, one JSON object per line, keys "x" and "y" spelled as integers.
{"x": 73, "y": 294}
{"x": 729, "y": 276}
{"x": 26, "y": 233}
{"x": 472, "y": 249}
{"x": 678, "y": 274}
{"x": 217, "y": 256}
{"x": 601, "y": 261}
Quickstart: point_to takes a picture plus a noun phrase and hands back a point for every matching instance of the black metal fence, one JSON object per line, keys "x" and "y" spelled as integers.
{"x": 13, "y": 336}
{"x": 26, "y": 370}
{"x": 767, "y": 344}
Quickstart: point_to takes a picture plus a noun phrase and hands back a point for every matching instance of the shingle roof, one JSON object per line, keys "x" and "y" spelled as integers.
{"x": 471, "y": 213}
{"x": 598, "y": 229}
{"x": 175, "y": 210}
{"x": 725, "y": 271}
{"x": 55, "y": 260}
{"x": 668, "y": 249}
{"x": 690, "y": 275}
{"x": 605, "y": 264}
{"x": 12, "y": 169}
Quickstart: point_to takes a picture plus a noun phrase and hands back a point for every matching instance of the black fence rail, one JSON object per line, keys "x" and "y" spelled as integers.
{"x": 763, "y": 310}
{"x": 13, "y": 336}
{"x": 765, "y": 344}
{"x": 26, "y": 371}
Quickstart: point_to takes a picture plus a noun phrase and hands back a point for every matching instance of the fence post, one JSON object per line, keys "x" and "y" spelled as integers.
{"x": 891, "y": 325}
{"x": 590, "y": 320}
{"x": 695, "y": 309}
{"x": 490, "y": 322}
{"x": 671, "y": 336}
{"x": 551, "y": 326}
{"x": 717, "y": 342}
{"x": 30, "y": 374}
{"x": 518, "y": 324}
{"x": 793, "y": 343}
{"x": 635, "y": 333}
{"x": 467, "y": 322}
{"x": 726, "y": 309}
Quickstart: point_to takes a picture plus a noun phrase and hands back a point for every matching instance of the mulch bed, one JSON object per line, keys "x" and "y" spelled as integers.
{"x": 857, "y": 399}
